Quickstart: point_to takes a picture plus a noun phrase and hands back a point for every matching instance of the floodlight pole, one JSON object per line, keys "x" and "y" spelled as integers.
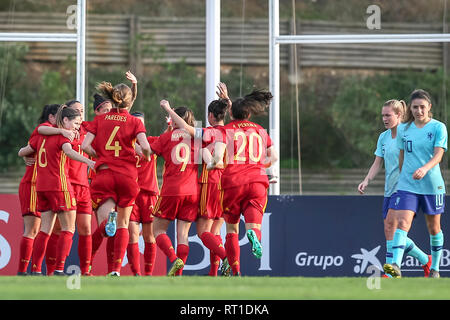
{"x": 212, "y": 52}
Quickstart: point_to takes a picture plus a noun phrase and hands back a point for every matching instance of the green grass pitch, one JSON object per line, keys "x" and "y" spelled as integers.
{"x": 221, "y": 288}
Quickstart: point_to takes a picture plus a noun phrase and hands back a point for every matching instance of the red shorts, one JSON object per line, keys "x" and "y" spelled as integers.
{"x": 83, "y": 196}
{"x": 56, "y": 201}
{"x": 248, "y": 199}
{"x": 177, "y": 207}
{"x": 28, "y": 200}
{"x": 143, "y": 207}
{"x": 210, "y": 198}
{"x": 109, "y": 184}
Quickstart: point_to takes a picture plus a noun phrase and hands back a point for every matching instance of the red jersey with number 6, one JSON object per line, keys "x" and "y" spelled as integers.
{"x": 115, "y": 135}
{"x": 246, "y": 158}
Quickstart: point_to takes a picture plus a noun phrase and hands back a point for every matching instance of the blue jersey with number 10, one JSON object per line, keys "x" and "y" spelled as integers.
{"x": 388, "y": 150}
{"x": 418, "y": 145}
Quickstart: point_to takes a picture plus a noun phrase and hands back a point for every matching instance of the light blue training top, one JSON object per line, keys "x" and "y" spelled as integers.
{"x": 418, "y": 145}
{"x": 388, "y": 150}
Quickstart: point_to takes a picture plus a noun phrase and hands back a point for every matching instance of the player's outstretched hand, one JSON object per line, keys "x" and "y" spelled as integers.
{"x": 131, "y": 77}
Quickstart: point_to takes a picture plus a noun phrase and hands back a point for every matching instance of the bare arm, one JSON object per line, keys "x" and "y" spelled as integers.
{"x": 72, "y": 154}
{"x": 144, "y": 145}
{"x": 422, "y": 171}
{"x": 373, "y": 171}
{"x": 50, "y": 131}
{"x": 176, "y": 118}
{"x": 133, "y": 80}
{"x": 272, "y": 154}
{"x": 26, "y": 151}
{"x": 86, "y": 146}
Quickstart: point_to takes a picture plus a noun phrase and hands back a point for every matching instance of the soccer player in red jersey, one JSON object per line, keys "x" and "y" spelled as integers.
{"x": 78, "y": 174}
{"x": 244, "y": 180}
{"x": 54, "y": 191}
{"x": 27, "y": 190}
{"x": 115, "y": 183}
{"x": 143, "y": 212}
{"x": 179, "y": 192}
{"x": 209, "y": 219}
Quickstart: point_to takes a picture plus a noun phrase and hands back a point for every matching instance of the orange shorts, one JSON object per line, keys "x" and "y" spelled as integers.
{"x": 143, "y": 207}
{"x": 248, "y": 199}
{"x": 56, "y": 201}
{"x": 210, "y": 198}
{"x": 177, "y": 207}
{"x": 109, "y": 184}
{"x": 28, "y": 200}
{"x": 83, "y": 196}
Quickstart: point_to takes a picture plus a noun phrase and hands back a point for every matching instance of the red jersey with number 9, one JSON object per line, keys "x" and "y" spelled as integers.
{"x": 247, "y": 145}
{"x": 179, "y": 151}
{"x": 115, "y": 135}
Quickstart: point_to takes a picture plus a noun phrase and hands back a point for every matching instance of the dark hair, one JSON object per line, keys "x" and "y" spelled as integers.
{"x": 254, "y": 103}
{"x": 218, "y": 108}
{"x": 417, "y": 94}
{"x": 98, "y": 101}
{"x": 138, "y": 114}
{"x": 120, "y": 95}
{"x": 186, "y": 114}
{"x": 72, "y": 102}
{"x": 65, "y": 111}
{"x": 48, "y": 110}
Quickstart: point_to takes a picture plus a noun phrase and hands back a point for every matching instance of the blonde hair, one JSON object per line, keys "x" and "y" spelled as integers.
{"x": 120, "y": 95}
{"x": 398, "y": 106}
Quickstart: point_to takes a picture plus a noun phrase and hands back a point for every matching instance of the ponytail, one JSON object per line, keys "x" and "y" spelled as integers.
{"x": 255, "y": 103}
{"x": 49, "y": 109}
{"x": 218, "y": 108}
{"x": 120, "y": 95}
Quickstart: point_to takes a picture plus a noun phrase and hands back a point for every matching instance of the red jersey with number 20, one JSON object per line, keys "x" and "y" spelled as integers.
{"x": 247, "y": 145}
{"x": 115, "y": 135}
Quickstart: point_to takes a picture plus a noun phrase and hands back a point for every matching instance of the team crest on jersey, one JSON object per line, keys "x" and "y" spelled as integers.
{"x": 430, "y": 135}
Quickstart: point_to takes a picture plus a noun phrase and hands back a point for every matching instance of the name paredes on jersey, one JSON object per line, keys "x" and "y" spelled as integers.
{"x": 115, "y": 117}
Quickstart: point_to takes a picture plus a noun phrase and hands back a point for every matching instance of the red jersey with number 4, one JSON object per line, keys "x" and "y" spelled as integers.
{"x": 115, "y": 134}
{"x": 247, "y": 144}
{"x": 51, "y": 164}
{"x": 180, "y": 170}
{"x": 147, "y": 178}
{"x": 78, "y": 171}
{"x": 30, "y": 171}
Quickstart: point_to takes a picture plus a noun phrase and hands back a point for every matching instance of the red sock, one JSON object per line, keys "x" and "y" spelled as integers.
{"x": 84, "y": 252}
{"x": 182, "y": 253}
{"x": 26, "y": 248}
{"x": 165, "y": 244}
{"x": 97, "y": 238}
{"x": 215, "y": 261}
{"x": 233, "y": 251}
{"x": 63, "y": 249}
{"x": 50, "y": 253}
{"x": 39, "y": 247}
{"x": 134, "y": 257}
{"x": 120, "y": 247}
{"x": 149, "y": 258}
{"x": 210, "y": 241}
{"x": 258, "y": 233}
{"x": 110, "y": 253}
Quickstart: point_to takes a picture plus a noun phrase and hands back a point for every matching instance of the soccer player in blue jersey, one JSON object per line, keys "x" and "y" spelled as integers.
{"x": 422, "y": 141}
{"x": 387, "y": 152}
